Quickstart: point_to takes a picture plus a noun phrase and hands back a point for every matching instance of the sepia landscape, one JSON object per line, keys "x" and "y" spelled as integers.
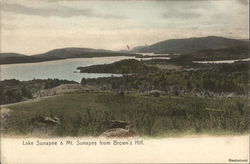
{"x": 186, "y": 93}
{"x": 190, "y": 84}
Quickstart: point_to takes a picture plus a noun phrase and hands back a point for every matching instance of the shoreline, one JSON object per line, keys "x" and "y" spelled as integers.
{"x": 51, "y": 60}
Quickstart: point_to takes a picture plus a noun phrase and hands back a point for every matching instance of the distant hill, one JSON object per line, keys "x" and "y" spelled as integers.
{"x": 246, "y": 40}
{"x": 57, "y": 54}
{"x": 173, "y": 46}
{"x": 190, "y": 45}
{"x": 5, "y": 55}
{"x": 74, "y": 52}
{"x": 138, "y": 48}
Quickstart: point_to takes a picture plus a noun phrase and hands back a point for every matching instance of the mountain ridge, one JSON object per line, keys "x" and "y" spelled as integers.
{"x": 62, "y": 53}
{"x": 172, "y": 46}
{"x": 189, "y": 45}
{"x": 11, "y": 54}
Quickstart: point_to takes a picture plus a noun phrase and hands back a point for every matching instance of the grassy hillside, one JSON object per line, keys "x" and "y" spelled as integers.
{"x": 88, "y": 114}
{"x": 126, "y": 66}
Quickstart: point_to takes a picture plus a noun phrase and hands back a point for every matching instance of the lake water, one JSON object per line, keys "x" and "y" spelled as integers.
{"x": 152, "y": 54}
{"x": 150, "y": 58}
{"x": 221, "y": 61}
{"x": 60, "y": 69}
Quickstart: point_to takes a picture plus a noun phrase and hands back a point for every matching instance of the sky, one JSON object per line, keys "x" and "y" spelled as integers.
{"x": 37, "y": 26}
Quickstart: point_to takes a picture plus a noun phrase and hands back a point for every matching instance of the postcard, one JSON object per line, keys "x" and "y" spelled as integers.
{"x": 124, "y": 81}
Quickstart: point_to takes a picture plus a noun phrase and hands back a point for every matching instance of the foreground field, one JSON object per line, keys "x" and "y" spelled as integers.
{"x": 88, "y": 114}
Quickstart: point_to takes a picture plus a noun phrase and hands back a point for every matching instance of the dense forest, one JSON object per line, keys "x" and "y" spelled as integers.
{"x": 233, "y": 53}
{"x": 126, "y": 66}
{"x": 232, "y": 78}
{"x": 12, "y": 91}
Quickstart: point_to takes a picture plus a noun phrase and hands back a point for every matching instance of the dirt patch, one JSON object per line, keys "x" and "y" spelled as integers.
{"x": 118, "y": 132}
{"x": 64, "y": 88}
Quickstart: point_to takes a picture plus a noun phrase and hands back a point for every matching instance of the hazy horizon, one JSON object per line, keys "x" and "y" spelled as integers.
{"x": 33, "y": 27}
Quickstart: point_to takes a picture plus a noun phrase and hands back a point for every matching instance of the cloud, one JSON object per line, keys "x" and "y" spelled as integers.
{"x": 181, "y": 15}
{"x": 184, "y": 9}
{"x": 243, "y": 2}
{"x": 58, "y": 11}
{"x": 27, "y": 29}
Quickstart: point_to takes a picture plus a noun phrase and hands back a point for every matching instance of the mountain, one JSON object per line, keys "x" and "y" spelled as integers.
{"x": 137, "y": 49}
{"x": 5, "y": 55}
{"x": 173, "y": 46}
{"x": 190, "y": 45}
{"x": 245, "y": 40}
{"x": 73, "y": 52}
{"x": 57, "y": 54}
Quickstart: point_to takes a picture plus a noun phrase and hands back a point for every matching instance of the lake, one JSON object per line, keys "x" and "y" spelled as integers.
{"x": 221, "y": 61}
{"x": 152, "y": 54}
{"x": 60, "y": 69}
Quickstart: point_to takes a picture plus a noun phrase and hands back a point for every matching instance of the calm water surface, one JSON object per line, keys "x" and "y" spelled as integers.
{"x": 60, "y": 69}
{"x": 221, "y": 61}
